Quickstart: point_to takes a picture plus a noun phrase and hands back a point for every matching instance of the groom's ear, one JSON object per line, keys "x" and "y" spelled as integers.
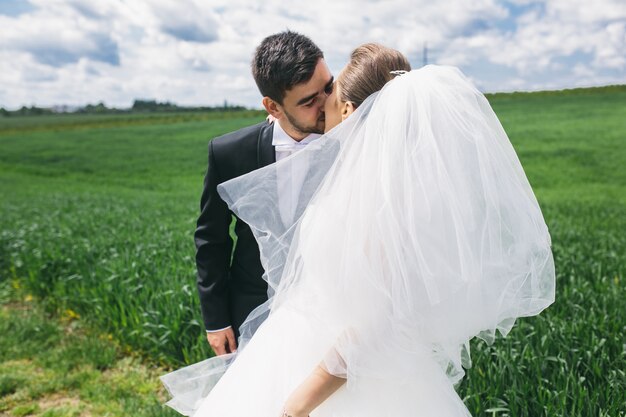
{"x": 347, "y": 108}
{"x": 272, "y": 107}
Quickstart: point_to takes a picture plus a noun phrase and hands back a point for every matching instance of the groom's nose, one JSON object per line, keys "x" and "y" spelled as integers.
{"x": 322, "y": 101}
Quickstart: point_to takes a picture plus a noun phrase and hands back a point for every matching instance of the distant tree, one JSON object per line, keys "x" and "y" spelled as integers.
{"x": 153, "y": 105}
{"x": 98, "y": 108}
{"x": 144, "y": 106}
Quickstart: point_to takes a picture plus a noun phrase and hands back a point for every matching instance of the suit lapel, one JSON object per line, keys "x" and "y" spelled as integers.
{"x": 265, "y": 151}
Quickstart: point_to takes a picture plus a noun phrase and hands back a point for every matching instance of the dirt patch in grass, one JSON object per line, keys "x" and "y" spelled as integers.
{"x": 65, "y": 401}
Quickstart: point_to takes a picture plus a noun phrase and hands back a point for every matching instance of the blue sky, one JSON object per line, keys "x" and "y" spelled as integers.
{"x": 196, "y": 52}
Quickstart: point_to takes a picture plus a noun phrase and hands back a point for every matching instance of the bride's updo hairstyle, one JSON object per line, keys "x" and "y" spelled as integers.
{"x": 368, "y": 71}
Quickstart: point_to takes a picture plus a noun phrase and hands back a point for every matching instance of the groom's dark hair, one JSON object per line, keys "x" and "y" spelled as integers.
{"x": 283, "y": 60}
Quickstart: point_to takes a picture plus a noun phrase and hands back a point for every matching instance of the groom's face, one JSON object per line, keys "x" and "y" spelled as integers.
{"x": 303, "y": 105}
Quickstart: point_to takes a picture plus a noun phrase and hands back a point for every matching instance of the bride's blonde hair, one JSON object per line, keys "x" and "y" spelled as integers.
{"x": 368, "y": 71}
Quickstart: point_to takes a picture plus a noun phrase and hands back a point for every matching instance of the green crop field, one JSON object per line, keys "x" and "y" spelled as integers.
{"x": 97, "y": 215}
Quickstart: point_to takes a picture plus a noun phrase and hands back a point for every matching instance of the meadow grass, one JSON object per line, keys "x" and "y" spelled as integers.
{"x": 56, "y": 367}
{"x": 98, "y": 218}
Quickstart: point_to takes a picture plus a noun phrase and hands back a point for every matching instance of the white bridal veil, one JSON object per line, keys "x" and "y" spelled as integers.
{"x": 415, "y": 231}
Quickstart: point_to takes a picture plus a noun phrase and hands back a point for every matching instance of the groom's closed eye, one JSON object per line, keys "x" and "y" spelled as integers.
{"x": 308, "y": 101}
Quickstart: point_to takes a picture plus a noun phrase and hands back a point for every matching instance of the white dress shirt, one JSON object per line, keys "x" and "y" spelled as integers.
{"x": 291, "y": 176}
{"x": 289, "y": 183}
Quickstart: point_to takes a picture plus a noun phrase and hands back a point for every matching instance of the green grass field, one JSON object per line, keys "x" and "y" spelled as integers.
{"x": 61, "y": 368}
{"x": 97, "y": 216}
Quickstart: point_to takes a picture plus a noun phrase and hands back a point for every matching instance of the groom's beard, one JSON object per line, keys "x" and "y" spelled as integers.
{"x": 317, "y": 128}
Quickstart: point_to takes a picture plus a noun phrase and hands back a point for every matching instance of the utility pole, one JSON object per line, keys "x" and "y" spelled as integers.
{"x": 425, "y": 54}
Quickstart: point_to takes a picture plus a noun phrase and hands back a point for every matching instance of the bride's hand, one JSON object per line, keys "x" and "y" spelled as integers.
{"x": 287, "y": 413}
{"x": 293, "y": 409}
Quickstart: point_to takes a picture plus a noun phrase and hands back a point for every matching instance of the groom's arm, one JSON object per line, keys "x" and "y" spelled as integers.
{"x": 214, "y": 246}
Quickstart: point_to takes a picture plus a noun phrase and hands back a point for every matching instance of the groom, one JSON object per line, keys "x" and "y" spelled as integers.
{"x": 291, "y": 74}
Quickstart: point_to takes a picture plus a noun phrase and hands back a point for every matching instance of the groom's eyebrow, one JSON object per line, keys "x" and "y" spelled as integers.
{"x": 312, "y": 96}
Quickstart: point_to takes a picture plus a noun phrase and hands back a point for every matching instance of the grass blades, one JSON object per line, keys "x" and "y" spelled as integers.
{"x": 59, "y": 368}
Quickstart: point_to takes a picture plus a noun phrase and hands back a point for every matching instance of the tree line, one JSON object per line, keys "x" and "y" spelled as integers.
{"x": 139, "y": 106}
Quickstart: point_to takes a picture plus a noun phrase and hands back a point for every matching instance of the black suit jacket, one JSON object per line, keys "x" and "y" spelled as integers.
{"x": 230, "y": 288}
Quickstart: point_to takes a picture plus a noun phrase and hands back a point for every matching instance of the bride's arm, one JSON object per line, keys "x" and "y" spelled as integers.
{"x": 313, "y": 391}
{"x": 321, "y": 383}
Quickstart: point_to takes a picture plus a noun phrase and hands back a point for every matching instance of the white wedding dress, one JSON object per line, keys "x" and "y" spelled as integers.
{"x": 417, "y": 231}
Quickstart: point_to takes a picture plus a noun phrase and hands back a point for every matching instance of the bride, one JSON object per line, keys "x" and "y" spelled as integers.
{"x": 416, "y": 231}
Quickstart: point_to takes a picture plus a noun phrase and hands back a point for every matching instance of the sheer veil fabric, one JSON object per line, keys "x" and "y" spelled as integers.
{"x": 416, "y": 230}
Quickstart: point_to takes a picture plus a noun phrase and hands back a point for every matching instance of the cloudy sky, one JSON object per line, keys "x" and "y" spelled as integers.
{"x": 196, "y": 52}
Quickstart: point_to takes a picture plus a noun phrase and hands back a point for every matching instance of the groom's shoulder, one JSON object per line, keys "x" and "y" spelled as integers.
{"x": 241, "y": 138}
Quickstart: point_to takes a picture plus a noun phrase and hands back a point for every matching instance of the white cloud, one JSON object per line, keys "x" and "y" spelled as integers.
{"x": 198, "y": 52}
{"x": 56, "y": 36}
